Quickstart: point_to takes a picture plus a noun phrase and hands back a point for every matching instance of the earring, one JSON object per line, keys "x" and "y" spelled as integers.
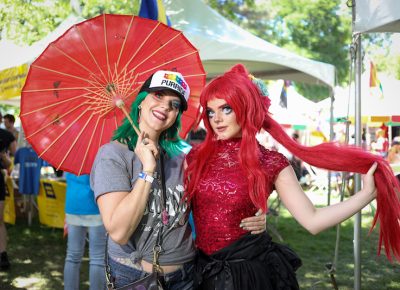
{"x": 139, "y": 107}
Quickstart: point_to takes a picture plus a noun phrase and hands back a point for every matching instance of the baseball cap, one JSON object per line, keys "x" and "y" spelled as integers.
{"x": 168, "y": 80}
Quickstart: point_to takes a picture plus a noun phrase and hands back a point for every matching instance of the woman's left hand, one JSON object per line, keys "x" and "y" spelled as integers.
{"x": 368, "y": 180}
{"x": 255, "y": 224}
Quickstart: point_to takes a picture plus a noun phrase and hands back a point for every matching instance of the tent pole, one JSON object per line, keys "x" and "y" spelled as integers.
{"x": 331, "y": 133}
{"x": 357, "y": 184}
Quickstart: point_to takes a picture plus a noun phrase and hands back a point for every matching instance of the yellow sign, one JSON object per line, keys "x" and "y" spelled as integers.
{"x": 9, "y": 204}
{"x": 51, "y": 203}
{"x": 12, "y": 80}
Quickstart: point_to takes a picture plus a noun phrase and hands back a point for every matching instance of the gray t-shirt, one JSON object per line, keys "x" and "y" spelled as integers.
{"x": 116, "y": 168}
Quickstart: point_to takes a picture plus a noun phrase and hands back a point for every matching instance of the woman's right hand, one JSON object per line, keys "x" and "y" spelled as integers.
{"x": 147, "y": 151}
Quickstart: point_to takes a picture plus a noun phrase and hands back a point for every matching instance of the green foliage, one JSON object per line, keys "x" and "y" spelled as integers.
{"x": 318, "y": 30}
{"x": 9, "y": 109}
{"x": 92, "y": 8}
{"x": 26, "y": 21}
{"x": 317, "y": 27}
{"x": 312, "y": 92}
{"x": 232, "y": 10}
{"x": 314, "y": 29}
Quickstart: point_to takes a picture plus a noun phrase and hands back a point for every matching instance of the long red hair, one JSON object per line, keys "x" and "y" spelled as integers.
{"x": 251, "y": 109}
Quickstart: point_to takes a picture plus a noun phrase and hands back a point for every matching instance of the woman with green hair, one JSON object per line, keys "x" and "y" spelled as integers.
{"x": 130, "y": 200}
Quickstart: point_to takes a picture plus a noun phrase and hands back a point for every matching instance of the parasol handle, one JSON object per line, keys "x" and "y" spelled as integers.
{"x": 120, "y": 104}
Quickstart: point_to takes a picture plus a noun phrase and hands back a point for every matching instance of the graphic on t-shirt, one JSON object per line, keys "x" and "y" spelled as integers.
{"x": 177, "y": 210}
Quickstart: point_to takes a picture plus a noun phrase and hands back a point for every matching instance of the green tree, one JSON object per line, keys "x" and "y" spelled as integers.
{"x": 27, "y": 21}
{"x": 92, "y": 8}
{"x": 9, "y": 109}
{"x": 318, "y": 29}
{"x": 234, "y": 10}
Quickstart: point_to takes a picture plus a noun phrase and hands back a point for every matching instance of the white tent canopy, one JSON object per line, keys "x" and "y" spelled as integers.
{"x": 13, "y": 55}
{"x": 373, "y": 104}
{"x": 377, "y": 16}
{"x": 222, "y": 44}
{"x": 291, "y": 115}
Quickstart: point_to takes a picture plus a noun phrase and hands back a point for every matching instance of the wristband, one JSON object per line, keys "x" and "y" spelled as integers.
{"x": 146, "y": 177}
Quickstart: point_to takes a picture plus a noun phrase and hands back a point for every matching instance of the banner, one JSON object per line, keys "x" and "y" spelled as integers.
{"x": 12, "y": 80}
{"x": 374, "y": 82}
{"x": 51, "y": 203}
{"x": 9, "y": 204}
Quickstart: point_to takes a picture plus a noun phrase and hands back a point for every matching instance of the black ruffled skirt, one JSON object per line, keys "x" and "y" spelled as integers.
{"x": 253, "y": 262}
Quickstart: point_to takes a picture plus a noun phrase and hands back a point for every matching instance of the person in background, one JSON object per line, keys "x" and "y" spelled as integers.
{"x": 231, "y": 175}
{"x": 196, "y": 136}
{"x": 394, "y": 151}
{"x": 83, "y": 223}
{"x": 382, "y": 143}
{"x": 9, "y": 121}
{"x": 296, "y": 162}
{"x": 8, "y": 146}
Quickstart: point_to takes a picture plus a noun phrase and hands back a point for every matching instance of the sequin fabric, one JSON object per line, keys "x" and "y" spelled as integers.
{"x": 222, "y": 200}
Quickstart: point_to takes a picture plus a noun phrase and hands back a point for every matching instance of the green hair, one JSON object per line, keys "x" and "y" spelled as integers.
{"x": 169, "y": 139}
{"x": 261, "y": 85}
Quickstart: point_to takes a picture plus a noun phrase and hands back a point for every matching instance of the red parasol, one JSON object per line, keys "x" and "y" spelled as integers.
{"x": 68, "y": 104}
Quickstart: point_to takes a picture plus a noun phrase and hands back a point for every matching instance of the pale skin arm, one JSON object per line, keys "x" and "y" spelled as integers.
{"x": 122, "y": 211}
{"x": 315, "y": 219}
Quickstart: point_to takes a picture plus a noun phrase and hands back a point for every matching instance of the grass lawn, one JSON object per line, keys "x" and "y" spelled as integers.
{"x": 37, "y": 255}
{"x": 317, "y": 251}
{"x": 377, "y": 273}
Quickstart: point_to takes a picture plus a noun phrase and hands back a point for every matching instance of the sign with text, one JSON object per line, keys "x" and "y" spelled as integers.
{"x": 9, "y": 204}
{"x": 51, "y": 203}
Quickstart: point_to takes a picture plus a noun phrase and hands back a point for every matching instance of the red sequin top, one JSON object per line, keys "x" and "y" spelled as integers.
{"x": 222, "y": 200}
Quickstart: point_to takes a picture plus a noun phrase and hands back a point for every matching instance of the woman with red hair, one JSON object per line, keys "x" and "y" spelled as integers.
{"x": 230, "y": 175}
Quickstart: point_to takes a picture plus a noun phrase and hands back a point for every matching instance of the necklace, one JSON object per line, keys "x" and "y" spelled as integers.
{"x": 161, "y": 184}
